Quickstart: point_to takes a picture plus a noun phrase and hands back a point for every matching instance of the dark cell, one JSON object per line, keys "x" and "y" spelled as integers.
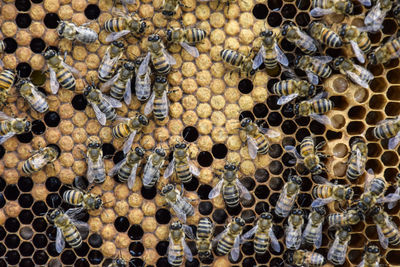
{"x": 301, "y": 133}
{"x": 51, "y": 232}
{"x": 162, "y": 247}
{"x": 23, "y": 20}
{"x": 260, "y": 11}
{"x": 79, "y": 102}
{"x": 118, "y": 156}
{"x": 289, "y": 11}
{"x": 52, "y": 119}
{"x": 245, "y": 86}
{"x": 205, "y": 208}
{"x": 12, "y": 257}
{"x": 38, "y": 78}
{"x": 26, "y": 249}
{"x": 304, "y": 200}
{"x": 39, "y": 208}
{"x": 25, "y": 217}
{"x": 38, "y": 127}
{"x": 3, "y": 250}
{"x": 26, "y": 263}
{"x": 136, "y": 249}
{"x": 149, "y": 193}
{"x": 25, "y": 137}
{"x": 40, "y": 257}
{"x": 135, "y": 232}
{"x": 81, "y": 262}
{"x": 205, "y": 159}
{"x": 92, "y": 11}
{"x": 2, "y": 232}
{"x": 83, "y": 250}
{"x": 302, "y": 19}
{"x": 25, "y": 200}
{"x": 275, "y": 167}
{"x": 248, "y": 248}
{"x": 289, "y": 127}
{"x": 53, "y": 200}
{"x": 261, "y": 175}
{"x": 121, "y": 224}
{"x": 303, "y": 4}
{"x": 288, "y": 160}
{"x": 261, "y": 192}
{"x": 193, "y": 263}
{"x": 249, "y": 262}
{"x": 51, "y": 20}
{"x": 272, "y": 102}
{"x": 2, "y": 200}
{"x": 192, "y": 185}
{"x": 11, "y": 192}
{"x": 22, "y": 5}
{"x": 275, "y": 151}
{"x": 136, "y": 262}
{"x": 25, "y": 184}
{"x": 163, "y": 262}
{"x": 274, "y": 19}
{"x": 95, "y": 240}
{"x": 39, "y": 224}
{"x": 190, "y": 134}
{"x": 287, "y": 46}
{"x": 12, "y": 241}
{"x": 246, "y": 114}
{"x": 2, "y": 184}
{"x": 37, "y": 45}
{"x": 11, "y": 45}
{"x": 40, "y": 241}
{"x": 219, "y": 216}
{"x": 260, "y": 110}
{"x": 317, "y": 128}
{"x": 219, "y": 151}
{"x": 163, "y": 216}
{"x": 203, "y": 191}
{"x": 95, "y": 257}
{"x": 234, "y": 211}
{"x": 108, "y": 150}
{"x": 69, "y": 257}
{"x": 274, "y": 119}
{"x": 248, "y": 182}
{"x": 261, "y": 207}
{"x": 53, "y": 184}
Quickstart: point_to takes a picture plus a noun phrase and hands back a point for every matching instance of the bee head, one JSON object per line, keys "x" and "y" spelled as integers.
{"x": 129, "y": 66}
{"x": 372, "y": 59}
{"x": 349, "y": 193}
{"x": 320, "y": 210}
{"x": 204, "y": 254}
{"x": 296, "y": 179}
{"x": 371, "y": 248}
{"x": 169, "y": 35}
{"x": 61, "y": 28}
{"x": 286, "y": 27}
{"x": 180, "y": 146}
{"x": 297, "y": 109}
{"x": 52, "y": 215}
{"x": 88, "y": 89}
{"x": 168, "y": 13}
{"x": 230, "y": 167}
{"x": 161, "y": 79}
{"x": 139, "y": 151}
{"x": 143, "y": 120}
{"x": 138, "y": 61}
{"x": 160, "y": 152}
{"x": 93, "y": 142}
{"x": 266, "y": 216}
{"x": 316, "y": 169}
{"x": 118, "y": 44}
{"x": 252, "y": 72}
{"x": 337, "y": 62}
{"x": 166, "y": 189}
{"x": 143, "y": 26}
{"x": 297, "y": 61}
{"x": 245, "y": 122}
{"x": 347, "y": 228}
{"x": 98, "y": 203}
{"x": 289, "y": 256}
{"x": 239, "y": 221}
{"x": 297, "y": 212}
{"x": 342, "y": 30}
{"x": 176, "y": 225}
{"x": 349, "y": 7}
{"x": 311, "y": 90}
{"x": 375, "y": 210}
{"x": 154, "y": 38}
{"x": 311, "y": 25}
{"x": 267, "y": 33}
{"x": 49, "y": 54}
{"x": 396, "y": 10}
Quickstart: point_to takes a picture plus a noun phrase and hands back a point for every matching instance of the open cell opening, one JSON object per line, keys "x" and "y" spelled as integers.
{"x": 274, "y": 19}
{"x": 51, "y": 20}
{"x": 357, "y": 112}
{"x": 392, "y": 109}
{"x": 377, "y": 101}
{"x": 205, "y": 159}
{"x": 10, "y": 45}
{"x": 245, "y": 86}
{"x": 260, "y": 11}
{"x": 23, "y": 20}
{"x": 289, "y": 11}
{"x": 24, "y": 69}
{"x": 379, "y": 84}
{"x": 190, "y": 134}
{"x": 22, "y": 5}
{"x": 302, "y": 19}
{"x": 92, "y": 11}
{"x": 219, "y": 151}
{"x": 260, "y": 110}
{"x": 37, "y": 45}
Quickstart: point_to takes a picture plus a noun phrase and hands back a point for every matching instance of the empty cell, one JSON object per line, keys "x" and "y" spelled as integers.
{"x": 375, "y": 37}
{"x": 303, "y": 4}
{"x": 374, "y": 117}
{"x": 248, "y": 182}
{"x": 287, "y": 46}
{"x": 289, "y": 11}
{"x": 374, "y": 149}
{"x": 275, "y": 5}
{"x": 246, "y": 114}
{"x": 275, "y": 151}
{"x": 276, "y": 183}
{"x": 303, "y": 19}
{"x": 390, "y": 158}
{"x": 334, "y": 52}
{"x": 331, "y": 135}
{"x": 23, "y": 20}
{"x": 245, "y": 86}
{"x": 51, "y": 20}
{"x": 260, "y": 11}
{"x": 393, "y": 257}
{"x": 274, "y": 119}
{"x": 24, "y": 69}
{"x": 261, "y": 192}
{"x": 357, "y": 112}
{"x": 190, "y": 134}
{"x": 355, "y": 127}
{"x": 376, "y": 70}
{"x": 374, "y": 164}
{"x": 377, "y": 101}
{"x": 260, "y": 110}
{"x": 79, "y": 102}
{"x": 379, "y": 84}
{"x": 11, "y": 45}
{"x": 261, "y": 175}
{"x": 339, "y": 102}
{"x": 393, "y": 93}
{"x": 289, "y": 127}
{"x": 92, "y": 11}
{"x": 316, "y": 127}
{"x": 205, "y": 159}
{"x": 389, "y": 26}
{"x": 275, "y": 167}
{"x": 393, "y": 63}
{"x": 392, "y": 109}
{"x": 274, "y": 19}
{"x": 37, "y": 45}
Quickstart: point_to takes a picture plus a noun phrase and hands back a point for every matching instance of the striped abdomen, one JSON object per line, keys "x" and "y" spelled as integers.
{"x": 186, "y": 207}
{"x": 285, "y": 87}
{"x": 321, "y": 4}
{"x": 330, "y": 38}
{"x": 262, "y": 144}
{"x": 321, "y": 106}
{"x": 116, "y": 24}
{"x": 393, "y": 47}
{"x": 337, "y": 219}
{"x": 322, "y": 191}
{"x": 32, "y": 165}
{"x": 312, "y": 236}
{"x": 364, "y": 43}
{"x": 321, "y": 69}
{"x": 108, "y": 110}
{"x": 5, "y": 127}
{"x": 225, "y": 245}
{"x": 72, "y": 236}
{"x": 204, "y": 228}
{"x": 161, "y": 64}
{"x": 121, "y": 130}
{"x": 66, "y": 79}
{"x": 307, "y": 147}
{"x": 175, "y": 255}
{"x": 73, "y": 197}
{"x": 337, "y": 252}
{"x": 353, "y": 170}
{"x": 39, "y": 103}
{"x": 230, "y": 193}
{"x": 7, "y": 78}
{"x": 386, "y": 130}
{"x": 392, "y": 234}
{"x": 182, "y": 171}
{"x": 314, "y": 259}
{"x": 232, "y": 57}
{"x": 99, "y": 172}
{"x": 118, "y": 89}
{"x": 124, "y": 172}
{"x": 195, "y": 35}
{"x": 261, "y": 242}
{"x": 160, "y": 108}
{"x": 284, "y": 205}
{"x": 106, "y": 71}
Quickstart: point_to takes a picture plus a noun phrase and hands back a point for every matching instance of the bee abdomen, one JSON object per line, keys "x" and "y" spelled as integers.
{"x": 73, "y": 197}
{"x": 161, "y": 65}
{"x": 322, "y": 191}
{"x": 121, "y": 130}
{"x": 195, "y": 35}
{"x": 86, "y": 35}
{"x": 159, "y": 109}
{"x": 183, "y": 172}
{"x": 108, "y": 110}
{"x": 224, "y": 246}
{"x": 175, "y": 256}
{"x": 72, "y": 236}
{"x": 321, "y": 106}
{"x": 115, "y": 25}
{"x": 118, "y": 90}
{"x": 66, "y": 79}
{"x": 232, "y": 57}
{"x": 231, "y": 195}
{"x": 283, "y": 206}
{"x": 261, "y": 243}
{"x": 262, "y": 144}
{"x": 307, "y": 146}
{"x": 364, "y": 43}
{"x": 386, "y": 130}
{"x": 40, "y": 105}
{"x": 204, "y": 228}
{"x": 330, "y": 38}
{"x": 353, "y": 171}
{"x": 4, "y": 127}
{"x": 124, "y": 172}
{"x": 7, "y": 78}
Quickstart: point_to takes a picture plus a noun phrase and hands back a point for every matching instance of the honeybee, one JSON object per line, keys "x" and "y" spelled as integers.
{"x": 60, "y": 72}
{"x": 229, "y": 240}
{"x": 127, "y": 168}
{"x": 358, "y": 39}
{"x": 170, "y": 7}
{"x": 313, "y": 232}
{"x": 338, "y": 251}
{"x": 314, "y": 108}
{"x": 110, "y": 61}
{"x": 35, "y": 98}
{"x": 269, "y": 52}
{"x": 68, "y": 228}
{"x": 371, "y": 256}
{"x": 288, "y": 196}
{"x": 40, "y": 158}
{"x": 304, "y": 258}
{"x": 350, "y": 216}
{"x": 158, "y": 102}
{"x": 326, "y": 7}
{"x": 10, "y": 126}
{"x": 120, "y": 262}
{"x": 96, "y": 172}
{"x": 72, "y": 32}
{"x": 264, "y": 234}
{"x": 356, "y": 73}
{"x": 386, "y": 52}
{"x": 357, "y": 159}
{"x": 121, "y": 83}
{"x": 388, "y": 231}
{"x": 179, "y": 204}
{"x": 161, "y": 59}
{"x": 291, "y": 89}
{"x": 103, "y": 106}
{"x": 143, "y": 82}
{"x": 185, "y": 37}
{"x": 309, "y": 155}
{"x": 389, "y": 129}
{"x": 177, "y": 246}
{"x": 320, "y": 31}
{"x": 151, "y": 172}
{"x": 374, "y": 19}
{"x": 294, "y": 35}
{"x": 231, "y": 186}
{"x": 257, "y": 137}
{"x": 205, "y": 230}
{"x": 374, "y": 189}
{"x": 129, "y": 128}
{"x": 82, "y": 198}
{"x": 240, "y": 62}
{"x": 123, "y": 24}
{"x": 314, "y": 67}
{"x": 327, "y": 192}
{"x": 7, "y": 78}
{"x": 392, "y": 198}
{"x": 293, "y": 230}
{"x": 182, "y": 165}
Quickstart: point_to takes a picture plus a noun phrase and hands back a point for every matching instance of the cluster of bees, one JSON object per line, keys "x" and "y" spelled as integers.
{"x": 117, "y": 74}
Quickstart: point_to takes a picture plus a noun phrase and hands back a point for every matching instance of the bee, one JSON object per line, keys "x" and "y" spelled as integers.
{"x": 374, "y": 188}
{"x": 205, "y": 230}
{"x": 69, "y": 229}
{"x": 371, "y": 256}
{"x": 357, "y": 159}
{"x": 294, "y": 35}
{"x": 264, "y": 234}
{"x": 161, "y": 59}
{"x": 82, "y": 198}
{"x": 304, "y": 258}
{"x": 257, "y": 137}
{"x": 327, "y": 192}
{"x": 124, "y": 24}
{"x": 7, "y": 79}
{"x": 309, "y": 155}
{"x": 314, "y": 108}
{"x": 117, "y": 262}
{"x": 319, "y": 31}
{"x": 288, "y": 196}
{"x": 185, "y": 37}
{"x": 356, "y": 73}
{"x": 388, "y": 231}
{"x": 129, "y": 128}
{"x": 392, "y": 198}
{"x": 374, "y": 19}
{"x": 229, "y": 240}
{"x": 151, "y": 172}
{"x": 121, "y": 83}
{"x": 293, "y": 230}
{"x": 179, "y": 204}
{"x": 158, "y": 102}
{"x": 350, "y": 216}
{"x": 110, "y": 61}
{"x": 231, "y": 186}
{"x": 10, "y": 126}
{"x": 143, "y": 82}
{"x": 170, "y": 7}
{"x": 60, "y": 72}
{"x": 240, "y": 62}
{"x": 72, "y": 32}
{"x": 127, "y": 168}
{"x": 291, "y": 89}
{"x": 358, "y": 39}
{"x": 388, "y": 129}
{"x": 40, "y": 158}
{"x": 270, "y": 53}
{"x": 96, "y": 172}
{"x": 385, "y": 52}
{"x": 177, "y": 246}
{"x": 103, "y": 106}
{"x": 35, "y": 98}
{"x": 314, "y": 67}
{"x": 313, "y": 232}
{"x": 182, "y": 165}
{"x": 338, "y": 251}
{"x": 326, "y": 7}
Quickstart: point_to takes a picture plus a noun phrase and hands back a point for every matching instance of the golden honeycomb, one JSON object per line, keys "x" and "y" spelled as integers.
{"x": 205, "y": 108}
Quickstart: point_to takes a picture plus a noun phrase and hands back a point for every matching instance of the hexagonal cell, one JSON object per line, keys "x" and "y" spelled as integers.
{"x": 375, "y": 37}
{"x": 361, "y": 95}
{"x": 378, "y": 84}
{"x": 340, "y": 150}
{"x": 374, "y": 117}
{"x": 340, "y": 84}
{"x": 355, "y": 127}
{"x": 303, "y": 19}
{"x": 338, "y": 121}
{"x": 357, "y": 112}
{"x": 390, "y": 158}
{"x": 288, "y": 11}
{"x": 392, "y": 109}
{"x": 374, "y": 149}
{"x": 260, "y": 11}
{"x": 274, "y": 19}
{"x": 374, "y": 164}
{"x": 393, "y": 257}
{"x": 339, "y": 169}
{"x": 355, "y": 256}
{"x": 389, "y": 26}
{"x": 340, "y": 102}
{"x": 377, "y": 101}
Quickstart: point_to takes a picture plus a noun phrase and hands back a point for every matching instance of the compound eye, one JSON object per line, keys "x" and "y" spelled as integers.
{"x": 170, "y": 13}
{"x": 269, "y": 216}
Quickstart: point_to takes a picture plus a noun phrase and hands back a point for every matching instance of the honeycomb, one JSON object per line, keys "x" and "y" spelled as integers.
{"x": 204, "y": 110}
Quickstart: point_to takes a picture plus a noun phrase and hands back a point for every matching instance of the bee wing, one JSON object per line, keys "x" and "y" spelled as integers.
{"x": 312, "y": 78}
{"x": 143, "y": 66}
{"x": 334, "y": 252}
{"x": 280, "y": 56}
{"x": 4, "y": 116}
{"x": 318, "y": 96}
{"x": 165, "y": 100}
{"x": 186, "y": 249}
{"x": 368, "y": 179}
{"x": 382, "y": 239}
{"x": 252, "y": 147}
{"x": 365, "y": 2}
{"x": 243, "y": 190}
{"x": 112, "y": 101}
{"x": 374, "y": 15}
{"x": 269, "y": 132}
{"x": 90, "y": 174}
{"x": 321, "y": 119}
{"x": 128, "y": 142}
{"x": 1, "y": 63}
{"x": 101, "y": 117}
{"x": 116, "y": 167}
{"x": 149, "y": 105}
{"x": 292, "y": 150}
{"x": 193, "y": 168}
{"x": 294, "y": 238}
{"x": 179, "y": 213}
{"x": 128, "y": 92}
{"x": 171, "y": 60}
{"x": 305, "y": 41}
{"x": 357, "y": 79}
{"x": 392, "y": 204}
{"x": 391, "y": 198}
{"x": 170, "y": 169}
{"x": 216, "y": 190}
{"x": 259, "y": 58}
{"x": 192, "y": 50}
{"x": 54, "y": 86}
{"x": 321, "y": 202}
{"x": 71, "y": 69}
{"x": 129, "y": 2}
{"x": 132, "y": 176}
{"x": 323, "y": 59}
{"x": 359, "y": 163}
{"x": 5, "y": 137}
{"x": 116, "y": 35}
{"x": 110, "y": 82}
{"x": 60, "y": 242}
{"x": 188, "y": 231}
{"x": 143, "y": 87}
{"x": 319, "y": 12}
{"x": 362, "y": 264}
{"x": 394, "y": 141}
{"x": 357, "y": 51}
{"x": 250, "y": 233}
{"x": 274, "y": 241}
{"x": 321, "y": 180}
{"x": 287, "y": 98}
{"x": 235, "y": 250}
